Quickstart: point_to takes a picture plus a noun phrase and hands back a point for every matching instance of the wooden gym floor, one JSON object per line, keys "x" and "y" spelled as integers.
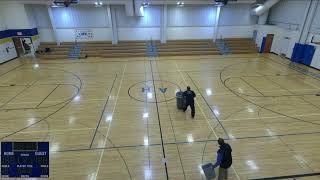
{"x": 117, "y": 119}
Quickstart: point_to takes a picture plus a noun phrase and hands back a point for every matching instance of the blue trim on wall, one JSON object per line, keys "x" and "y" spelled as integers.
{"x": 263, "y": 43}
{"x": 18, "y": 32}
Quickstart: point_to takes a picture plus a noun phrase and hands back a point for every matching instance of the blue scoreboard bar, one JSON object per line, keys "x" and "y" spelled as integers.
{"x": 24, "y": 159}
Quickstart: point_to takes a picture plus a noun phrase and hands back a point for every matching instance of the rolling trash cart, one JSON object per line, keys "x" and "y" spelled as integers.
{"x": 209, "y": 171}
{"x": 180, "y": 100}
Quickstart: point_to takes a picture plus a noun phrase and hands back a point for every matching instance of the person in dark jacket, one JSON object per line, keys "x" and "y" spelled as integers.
{"x": 189, "y": 96}
{"x": 224, "y": 159}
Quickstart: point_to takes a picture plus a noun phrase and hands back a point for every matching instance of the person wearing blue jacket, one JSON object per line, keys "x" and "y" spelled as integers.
{"x": 189, "y": 96}
{"x": 224, "y": 159}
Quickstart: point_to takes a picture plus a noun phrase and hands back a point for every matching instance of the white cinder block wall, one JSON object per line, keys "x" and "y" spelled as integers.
{"x": 139, "y": 28}
{"x": 68, "y": 19}
{"x": 197, "y": 22}
{"x": 189, "y": 22}
{"x": 315, "y": 27}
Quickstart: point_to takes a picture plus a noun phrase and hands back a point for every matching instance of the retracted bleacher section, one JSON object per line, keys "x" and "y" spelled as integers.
{"x": 105, "y": 49}
{"x": 187, "y": 47}
{"x": 56, "y": 52}
{"x": 95, "y": 49}
{"x": 109, "y": 50}
{"x": 241, "y": 45}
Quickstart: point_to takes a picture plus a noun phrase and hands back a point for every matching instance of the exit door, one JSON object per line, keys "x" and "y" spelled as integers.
{"x": 19, "y": 46}
{"x": 269, "y": 40}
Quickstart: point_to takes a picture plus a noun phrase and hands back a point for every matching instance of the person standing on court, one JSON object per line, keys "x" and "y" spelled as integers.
{"x": 189, "y": 96}
{"x": 224, "y": 159}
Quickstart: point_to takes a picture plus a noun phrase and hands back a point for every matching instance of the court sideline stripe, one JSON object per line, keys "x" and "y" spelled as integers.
{"x": 287, "y": 177}
{"x": 109, "y": 127}
{"x": 159, "y": 121}
{"x": 103, "y": 110}
{"x": 215, "y": 116}
{"x": 202, "y": 58}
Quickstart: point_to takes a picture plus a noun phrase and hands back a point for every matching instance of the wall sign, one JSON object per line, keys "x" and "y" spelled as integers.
{"x": 84, "y": 34}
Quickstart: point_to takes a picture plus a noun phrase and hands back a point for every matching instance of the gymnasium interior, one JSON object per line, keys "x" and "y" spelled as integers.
{"x": 89, "y": 88}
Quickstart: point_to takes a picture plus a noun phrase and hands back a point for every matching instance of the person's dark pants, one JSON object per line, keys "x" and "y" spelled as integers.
{"x": 193, "y": 111}
{"x": 223, "y": 174}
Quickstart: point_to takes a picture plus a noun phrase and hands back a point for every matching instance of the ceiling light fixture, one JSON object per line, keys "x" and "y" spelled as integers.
{"x": 180, "y": 3}
{"x": 145, "y": 4}
{"x": 218, "y": 4}
{"x": 221, "y": 3}
{"x": 98, "y": 4}
{"x": 56, "y": 5}
{"x": 64, "y": 3}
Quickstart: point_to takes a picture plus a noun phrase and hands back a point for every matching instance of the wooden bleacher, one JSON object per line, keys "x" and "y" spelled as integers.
{"x": 130, "y": 49}
{"x": 95, "y": 49}
{"x": 56, "y": 52}
{"x": 187, "y": 47}
{"x": 108, "y": 50}
{"x": 138, "y": 48}
{"x": 241, "y": 45}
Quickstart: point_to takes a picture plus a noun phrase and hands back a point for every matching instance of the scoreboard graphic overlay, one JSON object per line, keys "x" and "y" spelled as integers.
{"x": 24, "y": 159}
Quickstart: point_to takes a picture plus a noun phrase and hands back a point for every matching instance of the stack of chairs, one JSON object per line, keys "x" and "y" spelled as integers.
{"x": 241, "y": 45}
{"x": 187, "y": 47}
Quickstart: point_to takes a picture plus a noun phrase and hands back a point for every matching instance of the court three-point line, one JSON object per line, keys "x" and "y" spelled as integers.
{"x": 103, "y": 110}
{"x": 109, "y": 127}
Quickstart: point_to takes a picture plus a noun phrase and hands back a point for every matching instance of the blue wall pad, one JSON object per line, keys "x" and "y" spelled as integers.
{"x": 303, "y": 53}
{"x": 308, "y": 54}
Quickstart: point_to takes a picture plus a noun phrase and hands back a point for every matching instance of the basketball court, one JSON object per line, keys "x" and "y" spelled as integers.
{"x": 117, "y": 119}
{"x": 89, "y": 89}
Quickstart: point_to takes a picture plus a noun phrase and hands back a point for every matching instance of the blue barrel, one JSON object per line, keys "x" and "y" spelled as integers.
{"x": 180, "y": 100}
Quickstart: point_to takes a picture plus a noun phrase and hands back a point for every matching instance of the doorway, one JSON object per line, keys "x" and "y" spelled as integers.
{"x": 23, "y": 45}
{"x": 268, "y": 43}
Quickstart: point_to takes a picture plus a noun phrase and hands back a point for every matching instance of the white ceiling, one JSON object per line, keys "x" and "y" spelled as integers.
{"x": 132, "y": 7}
{"x": 157, "y": 2}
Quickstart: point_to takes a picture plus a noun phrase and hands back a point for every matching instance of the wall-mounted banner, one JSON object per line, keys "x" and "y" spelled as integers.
{"x": 18, "y": 32}
{"x": 84, "y": 34}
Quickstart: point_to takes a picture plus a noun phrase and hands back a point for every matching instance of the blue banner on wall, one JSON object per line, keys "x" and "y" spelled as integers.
{"x": 18, "y": 32}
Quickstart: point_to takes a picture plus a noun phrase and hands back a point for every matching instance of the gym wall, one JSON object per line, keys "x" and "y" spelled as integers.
{"x": 189, "y": 22}
{"x": 285, "y": 21}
